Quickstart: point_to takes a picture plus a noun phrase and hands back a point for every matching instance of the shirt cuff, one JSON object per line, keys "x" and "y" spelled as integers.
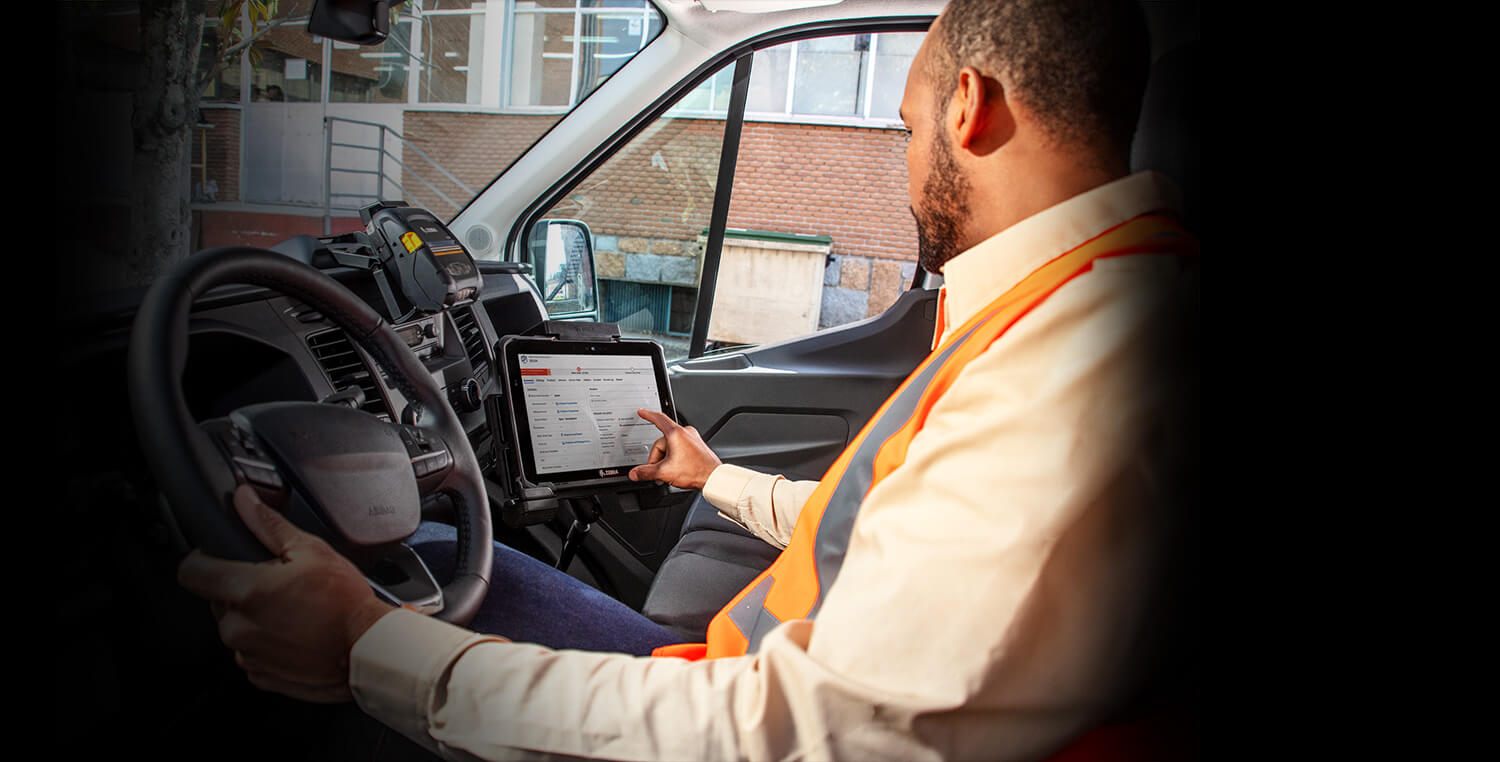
{"x": 727, "y": 484}
{"x": 395, "y": 665}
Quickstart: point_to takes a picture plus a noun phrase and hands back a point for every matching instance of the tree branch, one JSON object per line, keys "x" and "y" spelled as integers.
{"x": 234, "y": 50}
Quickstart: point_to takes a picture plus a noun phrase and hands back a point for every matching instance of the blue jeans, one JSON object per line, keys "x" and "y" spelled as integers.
{"x": 531, "y": 602}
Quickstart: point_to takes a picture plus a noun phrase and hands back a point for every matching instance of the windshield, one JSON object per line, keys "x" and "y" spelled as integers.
{"x": 281, "y": 133}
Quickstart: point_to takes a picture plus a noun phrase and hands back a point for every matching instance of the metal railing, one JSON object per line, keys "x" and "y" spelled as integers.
{"x": 382, "y": 155}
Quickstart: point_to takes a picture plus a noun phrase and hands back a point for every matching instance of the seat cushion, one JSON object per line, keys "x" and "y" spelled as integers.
{"x": 713, "y": 560}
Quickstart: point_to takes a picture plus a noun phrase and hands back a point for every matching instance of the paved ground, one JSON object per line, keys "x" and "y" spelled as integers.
{"x": 674, "y": 347}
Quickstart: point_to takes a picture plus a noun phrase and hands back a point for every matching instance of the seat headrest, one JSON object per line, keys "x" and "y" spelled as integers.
{"x": 1166, "y": 137}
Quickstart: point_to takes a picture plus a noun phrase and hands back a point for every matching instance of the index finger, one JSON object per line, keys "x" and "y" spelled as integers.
{"x": 667, "y": 425}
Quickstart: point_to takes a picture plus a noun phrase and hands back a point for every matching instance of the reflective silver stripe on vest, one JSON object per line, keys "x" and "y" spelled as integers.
{"x": 843, "y": 504}
{"x": 750, "y": 614}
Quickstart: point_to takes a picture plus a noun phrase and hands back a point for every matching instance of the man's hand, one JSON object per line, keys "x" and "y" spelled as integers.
{"x": 679, "y": 458}
{"x": 291, "y": 621}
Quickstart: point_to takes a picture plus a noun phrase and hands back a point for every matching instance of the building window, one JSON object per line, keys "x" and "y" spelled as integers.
{"x": 827, "y": 78}
{"x": 453, "y": 47}
{"x": 893, "y": 55}
{"x": 524, "y": 53}
{"x": 859, "y": 77}
{"x": 368, "y": 74}
{"x": 561, "y": 50}
{"x": 224, "y": 87}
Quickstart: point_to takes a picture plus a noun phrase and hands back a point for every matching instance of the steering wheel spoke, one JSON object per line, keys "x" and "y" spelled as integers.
{"x": 399, "y": 575}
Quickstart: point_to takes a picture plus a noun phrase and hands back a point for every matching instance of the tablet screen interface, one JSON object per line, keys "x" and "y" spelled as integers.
{"x": 581, "y": 410}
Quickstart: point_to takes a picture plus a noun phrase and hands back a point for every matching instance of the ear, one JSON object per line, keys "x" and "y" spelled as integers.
{"x": 980, "y": 115}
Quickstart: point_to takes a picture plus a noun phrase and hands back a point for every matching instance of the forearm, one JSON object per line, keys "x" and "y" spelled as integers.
{"x": 449, "y": 689}
{"x": 766, "y": 504}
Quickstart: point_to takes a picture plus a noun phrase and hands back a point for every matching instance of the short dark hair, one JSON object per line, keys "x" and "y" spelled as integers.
{"x": 1079, "y": 65}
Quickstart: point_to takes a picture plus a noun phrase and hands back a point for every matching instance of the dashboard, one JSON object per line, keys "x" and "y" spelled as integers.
{"x": 248, "y": 345}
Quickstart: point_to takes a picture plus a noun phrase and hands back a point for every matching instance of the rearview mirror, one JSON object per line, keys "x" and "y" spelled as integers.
{"x": 562, "y": 253}
{"x": 364, "y": 22}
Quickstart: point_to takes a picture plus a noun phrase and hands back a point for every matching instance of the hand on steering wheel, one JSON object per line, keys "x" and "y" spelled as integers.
{"x": 357, "y": 482}
{"x": 290, "y": 621}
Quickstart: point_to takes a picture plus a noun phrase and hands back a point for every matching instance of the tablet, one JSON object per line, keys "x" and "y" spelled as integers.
{"x": 573, "y": 406}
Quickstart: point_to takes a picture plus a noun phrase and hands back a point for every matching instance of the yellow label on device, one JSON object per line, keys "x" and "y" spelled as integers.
{"x": 411, "y": 241}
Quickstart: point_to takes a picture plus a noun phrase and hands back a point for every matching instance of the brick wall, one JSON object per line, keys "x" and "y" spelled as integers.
{"x": 474, "y": 147}
{"x": 223, "y": 140}
{"x": 844, "y": 182}
{"x": 259, "y": 229}
{"x": 660, "y": 186}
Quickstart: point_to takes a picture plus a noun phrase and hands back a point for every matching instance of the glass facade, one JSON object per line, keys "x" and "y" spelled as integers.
{"x": 547, "y": 55}
{"x": 851, "y": 77}
{"x": 224, "y": 86}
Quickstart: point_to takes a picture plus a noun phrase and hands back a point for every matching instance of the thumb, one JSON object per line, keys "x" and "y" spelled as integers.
{"x": 641, "y": 473}
{"x": 268, "y": 526}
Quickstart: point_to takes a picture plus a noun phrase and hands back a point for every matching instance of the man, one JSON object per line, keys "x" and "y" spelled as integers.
{"x": 971, "y": 578}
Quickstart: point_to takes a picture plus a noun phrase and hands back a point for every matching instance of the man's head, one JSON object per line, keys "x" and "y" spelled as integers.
{"x": 1015, "y": 105}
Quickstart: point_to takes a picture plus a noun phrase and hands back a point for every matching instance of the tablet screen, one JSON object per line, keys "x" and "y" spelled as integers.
{"x": 581, "y": 410}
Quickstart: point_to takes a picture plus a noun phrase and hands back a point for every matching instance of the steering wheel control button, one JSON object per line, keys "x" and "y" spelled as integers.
{"x": 427, "y": 452}
{"x": 260, "y": 473}
{"x": 431, "y": 463}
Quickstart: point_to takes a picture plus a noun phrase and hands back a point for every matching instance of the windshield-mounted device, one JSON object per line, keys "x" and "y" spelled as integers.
{"x": 417, "y": 262}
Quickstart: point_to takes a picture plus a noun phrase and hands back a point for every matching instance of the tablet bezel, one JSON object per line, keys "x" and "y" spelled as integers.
{"x": 520, "y": 429}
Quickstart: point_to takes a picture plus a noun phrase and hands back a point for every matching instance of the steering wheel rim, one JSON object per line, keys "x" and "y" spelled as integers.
{"x": 191, "y": 468}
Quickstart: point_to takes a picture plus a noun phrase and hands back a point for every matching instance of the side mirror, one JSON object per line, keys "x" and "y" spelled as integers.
{"x": 364, "y": 22}
{"x": 562, "y": 255}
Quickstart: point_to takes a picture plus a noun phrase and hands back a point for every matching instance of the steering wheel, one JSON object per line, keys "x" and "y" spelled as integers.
{"x": 335, "y": 471}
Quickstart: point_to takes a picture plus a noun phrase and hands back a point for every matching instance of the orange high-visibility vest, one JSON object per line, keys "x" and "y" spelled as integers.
{"x": 793, "y": 587}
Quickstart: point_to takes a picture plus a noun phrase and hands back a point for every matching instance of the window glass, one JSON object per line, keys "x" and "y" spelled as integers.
{"x": 828, "y": 75}
{"x": 855, "y": 76}
{"x": 452, "y": 60}
{"x": 283, "y": 76}
{"x": 820, "y": 232}
{"x": 893, "y": 56}
{"x": 711, "y": 96}
{"x": 286, "y": 62}
{"x": 373, "y": 74}
{"x": 769, "y": 80}
{"x": 648, "y": 208}
{"x": 608, "y": 39}
{"x": 224, "y": 86}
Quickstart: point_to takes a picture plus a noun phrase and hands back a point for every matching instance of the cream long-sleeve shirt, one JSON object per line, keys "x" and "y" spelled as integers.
{"x": 991, "y": 595}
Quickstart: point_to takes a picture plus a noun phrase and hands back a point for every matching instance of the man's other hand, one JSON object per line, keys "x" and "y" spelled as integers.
{"x": 680, "y": 458}
{"x": 291, "y": 621}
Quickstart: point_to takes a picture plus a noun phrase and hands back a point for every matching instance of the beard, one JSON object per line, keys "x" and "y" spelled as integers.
{"x": 944, "y": 206}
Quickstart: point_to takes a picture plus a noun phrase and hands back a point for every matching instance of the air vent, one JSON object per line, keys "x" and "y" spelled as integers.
{"x": 345, "y": 368}
{"x": 473, "y": 339}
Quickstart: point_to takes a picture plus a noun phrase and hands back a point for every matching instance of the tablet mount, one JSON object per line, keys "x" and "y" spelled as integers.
{"x": 526, "y": 502}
